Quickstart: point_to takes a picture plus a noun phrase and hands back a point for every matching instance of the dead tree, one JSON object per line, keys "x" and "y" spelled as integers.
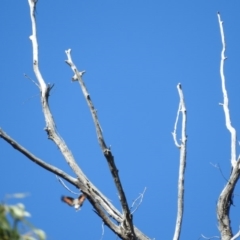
{"x": 121, "y": 223}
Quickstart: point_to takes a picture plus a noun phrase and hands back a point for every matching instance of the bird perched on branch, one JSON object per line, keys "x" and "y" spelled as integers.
{"x": 74, "y": 202}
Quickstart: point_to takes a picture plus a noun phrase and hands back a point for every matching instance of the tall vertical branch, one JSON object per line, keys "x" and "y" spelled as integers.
{"x": 225, "y": 198}
{"x": 183, "y": 155}
{"x": 33, "y": 38}
{"x": 45, "y": 90}
{"x": 229, "y": 126}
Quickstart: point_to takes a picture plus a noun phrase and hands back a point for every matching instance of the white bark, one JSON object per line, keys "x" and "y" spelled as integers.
{"x": 183, "y": 155}
{"x": 229, "y": 126}
{"x": 225, "y": 198}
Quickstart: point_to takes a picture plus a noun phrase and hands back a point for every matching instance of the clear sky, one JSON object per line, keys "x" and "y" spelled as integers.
{"x": 134, "y": 53}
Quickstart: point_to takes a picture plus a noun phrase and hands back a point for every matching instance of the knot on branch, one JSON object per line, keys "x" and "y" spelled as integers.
{"x": 49, "y": 132}
{"x": 49, "y": 88}
{"x": 77, "y": 74}
{"x": 128, "y": 233}
{"x": 81, "y": 73}
{"x": 75, "y": 78}
{"x": 107, "y": 152}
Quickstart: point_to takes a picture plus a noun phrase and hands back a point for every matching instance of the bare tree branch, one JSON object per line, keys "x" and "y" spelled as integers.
{"x": 229, "y": 126}
{"x": 224, "y": 203}
{"x": 123, "y": 228}
{"x": 37, "y": 160}
{"x": 94, "y": 196}
{"x": 122, "y": 223}
{"x": 84, "y": 183}
{"x": 183, "y": 155}
{"x": 225, "y": 198}
{"x": 45, "y": 90}
{"x": 127, "y": 221}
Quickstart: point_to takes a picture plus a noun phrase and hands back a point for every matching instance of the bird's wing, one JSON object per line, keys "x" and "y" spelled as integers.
{"x": 81, "y": 199}
{"x": 68, "y": 200}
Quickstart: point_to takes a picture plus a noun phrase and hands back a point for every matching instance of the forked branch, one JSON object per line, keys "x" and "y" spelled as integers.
{"x": 183, "y": 154}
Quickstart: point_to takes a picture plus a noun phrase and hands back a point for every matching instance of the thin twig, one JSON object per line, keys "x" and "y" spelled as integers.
{"x": 30, "y": 98}
{"x": 102, "y": 231}
{"x": 62, "y": 182}
{"x": 208, "y": 238}
{"x": 219, "y": 168}
{"x": 99, "y": 211}
{"x": 174, "y": 133}
{"x": 183, "y": 156}
{"x": 26, "y": 76}
{"x": 141, "y": 195}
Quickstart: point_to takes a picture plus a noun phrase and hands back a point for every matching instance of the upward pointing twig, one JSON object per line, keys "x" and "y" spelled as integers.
{"x": 229, "y": 126}
{"x": 225, "y": 199}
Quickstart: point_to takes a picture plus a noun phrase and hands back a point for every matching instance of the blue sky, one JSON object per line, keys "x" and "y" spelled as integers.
{"x": 134, "y": 54}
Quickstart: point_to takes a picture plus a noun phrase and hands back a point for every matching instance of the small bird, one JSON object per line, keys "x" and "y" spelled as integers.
{"x": 74, "y": 202}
